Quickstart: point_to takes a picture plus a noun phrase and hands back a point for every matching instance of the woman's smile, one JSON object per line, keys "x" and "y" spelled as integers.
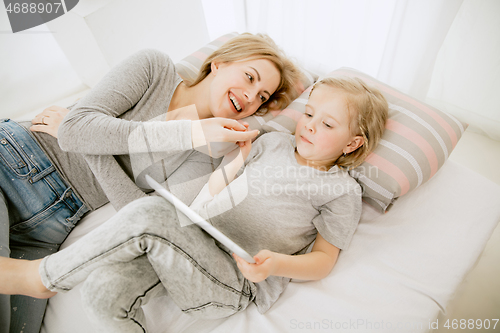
{"x": 238, "y": 106}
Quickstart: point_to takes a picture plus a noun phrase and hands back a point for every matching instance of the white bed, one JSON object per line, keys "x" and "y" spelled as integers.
{"x": 401, "y": 269}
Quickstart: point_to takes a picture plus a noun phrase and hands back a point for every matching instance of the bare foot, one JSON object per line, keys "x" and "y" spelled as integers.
{"x": 21, "y": 277}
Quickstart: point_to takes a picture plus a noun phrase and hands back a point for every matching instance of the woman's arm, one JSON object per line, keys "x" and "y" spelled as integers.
{"x": 122, "y": 113}
{"x": 95, "y": 124}
{"x": 315, "y": 265}
{"x": 115, "y": 183}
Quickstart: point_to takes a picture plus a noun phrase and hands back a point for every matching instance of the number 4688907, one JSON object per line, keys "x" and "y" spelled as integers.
{"x": 33, "y": 8}
{"x": 471, "y": 324}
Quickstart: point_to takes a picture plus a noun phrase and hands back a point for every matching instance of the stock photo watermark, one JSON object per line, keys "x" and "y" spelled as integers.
{"x": 397, "y": 326}
{"x": 385, "y": 325}
{"x": 26, "y": 14}
{"x": 300, "y": 181}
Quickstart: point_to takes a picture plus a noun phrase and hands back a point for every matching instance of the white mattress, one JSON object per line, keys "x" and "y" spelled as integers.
{"x": 400, "y": 270}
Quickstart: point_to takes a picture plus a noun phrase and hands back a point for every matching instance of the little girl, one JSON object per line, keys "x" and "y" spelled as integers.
{"x": 293, "y": 191}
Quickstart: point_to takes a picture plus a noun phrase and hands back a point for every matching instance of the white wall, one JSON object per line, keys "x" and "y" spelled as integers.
{"x": 33, "y": 69}
{"x": 72, "y": 52}
{"x": 466, "y": 78}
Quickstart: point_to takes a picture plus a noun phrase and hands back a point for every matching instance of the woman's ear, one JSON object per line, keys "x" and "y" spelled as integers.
{"x": 357, "y": 142}
{"x": 214, "y": 66}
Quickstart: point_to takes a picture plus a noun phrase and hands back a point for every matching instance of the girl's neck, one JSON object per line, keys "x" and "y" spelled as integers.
{"x": 319, "y": 165}
{"x": 195, "y": 99}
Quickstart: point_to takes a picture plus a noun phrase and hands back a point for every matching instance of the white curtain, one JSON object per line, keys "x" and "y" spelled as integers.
{"x": 445, "y": 52}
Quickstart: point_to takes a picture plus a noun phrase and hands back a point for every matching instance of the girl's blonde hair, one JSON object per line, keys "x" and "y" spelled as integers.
{"x": 247, "y": 46}
{"x": 368, "y": 111}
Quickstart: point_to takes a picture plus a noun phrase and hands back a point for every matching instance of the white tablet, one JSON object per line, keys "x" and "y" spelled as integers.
{"x": 198, "y": 220}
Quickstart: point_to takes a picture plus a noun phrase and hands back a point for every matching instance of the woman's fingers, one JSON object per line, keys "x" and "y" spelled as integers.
{"x": 235, "y": 136}
{"x": 232, "y": 124}
{"x": 45, "y": 129}
{"x": 48, "y": 120}
{"x": 52, "y": 111}
{"x": 208, "y": 134}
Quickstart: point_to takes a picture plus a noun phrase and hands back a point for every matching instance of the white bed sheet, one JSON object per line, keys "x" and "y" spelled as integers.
{"x": 400, "y": 270}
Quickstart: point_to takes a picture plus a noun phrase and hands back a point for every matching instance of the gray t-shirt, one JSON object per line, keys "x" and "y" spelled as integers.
{"x": 73, "y": 168}
{"x": 280, "y": 205}
{"x": 122, "y": 120}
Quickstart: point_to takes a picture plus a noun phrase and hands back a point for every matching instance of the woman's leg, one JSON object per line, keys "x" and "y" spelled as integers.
{"x": 4, "y": 252}
{"x": 42, "y": 209}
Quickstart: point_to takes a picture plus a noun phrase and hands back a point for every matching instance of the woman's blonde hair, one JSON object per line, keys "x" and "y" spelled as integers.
{"x": 368, "y": 112}
{"x": 247, "y": 46}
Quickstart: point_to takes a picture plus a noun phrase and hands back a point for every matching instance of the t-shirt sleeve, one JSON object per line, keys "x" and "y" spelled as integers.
{"x": 339, "y": 218}
{"x": 95, "y": 125}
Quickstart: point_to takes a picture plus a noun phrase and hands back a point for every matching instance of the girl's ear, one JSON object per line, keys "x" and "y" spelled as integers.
{"x": 354, "y": 144}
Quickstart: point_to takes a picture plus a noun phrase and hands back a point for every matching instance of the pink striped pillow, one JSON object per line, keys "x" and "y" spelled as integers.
{"x": 417, "y": 141}
{"x": 188, "y": 69}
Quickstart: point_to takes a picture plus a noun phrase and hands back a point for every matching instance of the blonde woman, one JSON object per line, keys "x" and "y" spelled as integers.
{"x": 295, "y": 190}
{"x": 46, "y": 190}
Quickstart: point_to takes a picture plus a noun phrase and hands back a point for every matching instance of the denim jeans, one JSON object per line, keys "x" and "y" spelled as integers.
{"x": 37, "y": 211}
{"x": 199, "y": 274}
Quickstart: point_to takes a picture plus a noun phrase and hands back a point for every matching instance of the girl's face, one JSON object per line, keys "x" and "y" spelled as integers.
{"x": 322, "y": 133}
{"x": 240, "y": 88}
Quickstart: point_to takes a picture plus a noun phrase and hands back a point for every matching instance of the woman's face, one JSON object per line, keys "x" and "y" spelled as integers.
{"x": 240, "y": 88}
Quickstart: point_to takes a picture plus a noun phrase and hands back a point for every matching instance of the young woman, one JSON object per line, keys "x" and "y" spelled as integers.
{"x": 46, "y": 190}
{"x": 343, "y": 122}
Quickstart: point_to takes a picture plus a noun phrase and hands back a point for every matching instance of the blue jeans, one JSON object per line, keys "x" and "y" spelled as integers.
{"x": 41, "y": 210}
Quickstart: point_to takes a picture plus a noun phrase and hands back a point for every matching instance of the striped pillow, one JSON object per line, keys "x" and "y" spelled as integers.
{"x": 188, "y": 69}
{"x": 417, "y": 141}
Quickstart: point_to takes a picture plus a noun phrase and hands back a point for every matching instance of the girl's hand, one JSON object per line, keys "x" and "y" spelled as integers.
{"x": 48, "y": 120}
{"x": 265, "y": 265}
{"x": 245, "y": 148}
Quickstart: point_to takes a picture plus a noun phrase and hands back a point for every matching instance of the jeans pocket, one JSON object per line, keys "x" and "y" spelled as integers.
{"x": 51, "y": 225}
{"x": 11, "y": 157}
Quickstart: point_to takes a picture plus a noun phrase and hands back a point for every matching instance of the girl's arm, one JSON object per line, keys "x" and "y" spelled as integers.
{"x": 228, "y": 168}
{"x": 220, "y": 178}
{"x": 315, "y": 265}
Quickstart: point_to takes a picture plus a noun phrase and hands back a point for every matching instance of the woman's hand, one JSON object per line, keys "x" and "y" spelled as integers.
{"x": 48, "y": 120}
{"x": 208, "y": 134}
{"x": 265, "y": 265}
